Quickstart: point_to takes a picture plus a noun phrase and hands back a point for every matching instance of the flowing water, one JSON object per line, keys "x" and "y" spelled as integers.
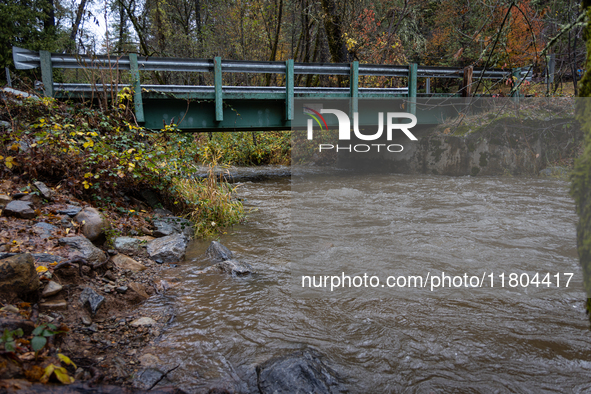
{"x": 471, "y": 342}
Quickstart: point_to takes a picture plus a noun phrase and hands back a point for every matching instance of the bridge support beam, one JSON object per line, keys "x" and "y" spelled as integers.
{"x": 217, "y": 78}
{"x": 137, "y": 88}
{"x": 289, "y": 82}
{"x": 354, "y": 87}
{"x": 412, "y": 88}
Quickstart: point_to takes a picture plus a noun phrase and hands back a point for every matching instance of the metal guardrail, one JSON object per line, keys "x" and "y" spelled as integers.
{"x": 26, "y": 59}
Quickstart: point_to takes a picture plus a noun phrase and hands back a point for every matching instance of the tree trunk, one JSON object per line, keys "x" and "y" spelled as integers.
{"x": 49, "y": 17}
{"x": 76, "y": 23}
{"x": 332, "y": 27}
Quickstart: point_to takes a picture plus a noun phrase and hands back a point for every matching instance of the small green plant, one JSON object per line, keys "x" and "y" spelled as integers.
{"x": 111, "y": 233}
{"x": 8, "y": 339}
{"x": 40, "y": 335}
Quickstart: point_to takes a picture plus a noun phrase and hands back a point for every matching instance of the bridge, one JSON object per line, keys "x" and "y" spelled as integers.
{"x": 246, "y": 108}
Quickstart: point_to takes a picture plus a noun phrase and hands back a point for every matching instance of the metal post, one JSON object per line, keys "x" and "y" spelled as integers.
{"x": 412, "y": 88}
{"x": 354, "y": 87}
{"x": 289, "y": 80}
{"x": 137, "y": 88}
{"x": 428, "y": 86}
{"x": 46, "y": 72}
{"x": 217, "y": 78}
{"x": 8, "y": 79}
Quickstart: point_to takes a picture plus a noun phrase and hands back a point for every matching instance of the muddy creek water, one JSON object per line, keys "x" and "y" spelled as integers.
{"x": 473, "y": 342}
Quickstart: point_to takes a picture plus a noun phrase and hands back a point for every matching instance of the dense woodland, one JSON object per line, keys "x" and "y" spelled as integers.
{"x": 489, "y": 33}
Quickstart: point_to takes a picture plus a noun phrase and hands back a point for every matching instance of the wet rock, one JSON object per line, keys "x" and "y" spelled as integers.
{"x": 173, "y": 225}
{"x": 300, "y": 372}
{"x": 234, "y": 267}
{"x": 129, "y": 245}
{"x": 51, "y": 289}
{"x": 93, "y": 222}
{"x": 91, "y": 253}
{"x": 126, "y": 263}
{"x": 47, "y": 258}
{"x": 149, "y": 360}
{"x": 18, "y": 276}
{"x": 54, "y": 305}
{"x": 121, "y": 289}
{"x": 32, "y": 198}
{"x": 71, "y": 210}
{"x": 217, "y": 251}
{"x": 20, "y": 209}
{"x": 147, "y": 378}
{"x": 168, "y": 249}
{"x": 4, "y": 200}
{"x": 92, "y": 299}
{"x": 143, "y": 321}
{"x": 139, "y": 288}
{"x": 44, "y": 229}
{"x": 110, "y": 276}
{"x": 46, "y": 192}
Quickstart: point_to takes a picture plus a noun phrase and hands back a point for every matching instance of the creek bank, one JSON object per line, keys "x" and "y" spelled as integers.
{"x": 62, "y": 263}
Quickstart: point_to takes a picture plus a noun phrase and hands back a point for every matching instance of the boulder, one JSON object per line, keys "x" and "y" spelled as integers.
{"x": 47, "y": 258}
{"x": 20, "y": 209}
{"x": 11, "y": 324}
{"x": 217, "y": 251}
{"x": 299, "y": 372}
{"x": 234, "y": 267}
{"x": 44, "y": 229}
{"x": 173, "y": 225}
{"x": 87, "y": 250}
{"x": 18, "y": 276}
{"x": 32, "y": 198}
{"x": 93, "y": 300}
{"x": 129, "y": 245}
{"x": 126, "y": 263}
{"x": 168, "y": 249}
{"x": 148, "y": 378}
{"x": 46, "y": 192}
{"x": 51, "y": 289}
{"x": 93, "y": 223}
{"x": 70, "y": 210}
{"x": 143, "y": 321}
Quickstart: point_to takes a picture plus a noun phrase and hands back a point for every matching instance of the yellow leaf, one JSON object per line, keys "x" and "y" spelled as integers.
{"x": 67, "y": 231}
{"x": 66, "y": 359}
{"x": 53, "y": 264}
{"x": 41, "y": 269}
{"x": 62, "y": 375}
{"x": 48, "y": 371}
{"x": 9, "y": 162}
{"x": 15, "y": 147}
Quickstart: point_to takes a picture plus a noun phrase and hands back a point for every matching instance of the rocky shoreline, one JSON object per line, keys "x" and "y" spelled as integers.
{"x": 63, "y": 265}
